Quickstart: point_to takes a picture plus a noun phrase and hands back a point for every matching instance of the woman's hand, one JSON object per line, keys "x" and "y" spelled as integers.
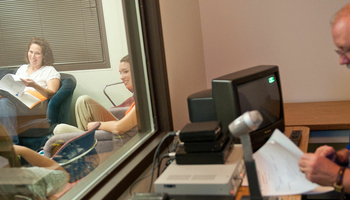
{"x": 29, "y": 82}
{"x": 52, "y": 86}
{"x": 91, "y": 124}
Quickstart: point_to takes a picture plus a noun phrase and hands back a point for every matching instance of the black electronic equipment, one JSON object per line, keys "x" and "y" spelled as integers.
{"x": 255, "y": 88}
{"x": 295, "y": 136}
{"x": 200, "y": 131}
{"x": 202, "y": 106}
{"x": 206, "y": 146}
{"x": 212, "y": 157}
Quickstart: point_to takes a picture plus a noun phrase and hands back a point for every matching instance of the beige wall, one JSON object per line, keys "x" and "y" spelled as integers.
{"x": 205, "y": 39}
{"x": 293, "y": 34}
{"x": 184, "y": 54}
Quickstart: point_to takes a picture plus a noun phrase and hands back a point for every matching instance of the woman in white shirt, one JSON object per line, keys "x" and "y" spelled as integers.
{"x": 39, "y": 75}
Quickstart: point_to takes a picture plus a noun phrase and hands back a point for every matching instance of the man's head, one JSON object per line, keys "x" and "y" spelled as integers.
{"x": 341, "y": 34}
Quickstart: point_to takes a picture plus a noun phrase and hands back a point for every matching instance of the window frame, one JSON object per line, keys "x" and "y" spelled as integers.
{"x": 120, "y": 178}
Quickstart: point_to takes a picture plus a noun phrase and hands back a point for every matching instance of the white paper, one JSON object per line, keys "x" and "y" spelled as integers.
{"x": 318, "y": 190}
{"x": 29, "y": 100}
{"x": 14, "y": 85}
{"x": 278, "y": 170}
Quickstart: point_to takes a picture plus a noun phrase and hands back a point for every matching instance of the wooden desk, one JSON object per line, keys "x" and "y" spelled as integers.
{"x": 244, "y": 191}
{"x": 329, "y": 115}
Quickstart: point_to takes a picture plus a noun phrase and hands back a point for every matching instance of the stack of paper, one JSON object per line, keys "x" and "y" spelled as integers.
{"x": 278, "y": 169}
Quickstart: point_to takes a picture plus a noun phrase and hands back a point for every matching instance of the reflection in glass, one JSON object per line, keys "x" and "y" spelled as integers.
{"x": 89, "y": 156}
{"x": 43, "y": 178}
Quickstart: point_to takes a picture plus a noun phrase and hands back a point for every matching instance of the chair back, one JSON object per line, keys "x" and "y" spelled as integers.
{"x": 35, "y": 131}
{"x": 78, "y": 155}
{"x": 58, "y": 110}
{"x": 4, "y": 71}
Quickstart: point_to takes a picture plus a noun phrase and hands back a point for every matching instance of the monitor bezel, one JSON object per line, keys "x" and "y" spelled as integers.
{"x": 225, "y": 86}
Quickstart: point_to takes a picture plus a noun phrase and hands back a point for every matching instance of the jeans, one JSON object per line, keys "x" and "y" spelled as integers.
{"x": 8, "y": 118}
{"x": 10, "y": 109}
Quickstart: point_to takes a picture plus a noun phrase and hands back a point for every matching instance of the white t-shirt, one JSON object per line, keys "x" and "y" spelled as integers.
{"x": 40, "y": 76}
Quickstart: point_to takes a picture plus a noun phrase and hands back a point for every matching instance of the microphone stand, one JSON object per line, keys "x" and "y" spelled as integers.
{"x": 254, "y": 188}
{"x": 253, "y": 180}
{"x": 241, "y": 127}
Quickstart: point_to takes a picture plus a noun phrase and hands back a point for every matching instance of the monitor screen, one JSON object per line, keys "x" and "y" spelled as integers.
{"x": 263, "y": 95}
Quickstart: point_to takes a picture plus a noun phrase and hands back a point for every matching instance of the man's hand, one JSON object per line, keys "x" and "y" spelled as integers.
{"x": 340, "y": 157}
{"x": 326, "y": 151}
{"x": 343, "y": 156}
{"x": 319, "y": 169}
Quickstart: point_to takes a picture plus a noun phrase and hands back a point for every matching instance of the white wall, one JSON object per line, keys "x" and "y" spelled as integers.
{"x": 230, "y": 35}
{"x": 92, "y": 82}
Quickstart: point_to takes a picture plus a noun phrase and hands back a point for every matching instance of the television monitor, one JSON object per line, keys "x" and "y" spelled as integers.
{"x": 201, "y": 106}
{"x": 255, "y": 88}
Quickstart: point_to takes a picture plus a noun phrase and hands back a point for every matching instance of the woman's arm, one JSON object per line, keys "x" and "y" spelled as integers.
{"x": 36, "y": 159}
{"x": 52, "y": 86}
{"x": 120, "y": 126}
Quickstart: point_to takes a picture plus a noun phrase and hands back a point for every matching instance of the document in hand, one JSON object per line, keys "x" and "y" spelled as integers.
{"x": 13, "y": 85}
{"x": 278, "y": 169}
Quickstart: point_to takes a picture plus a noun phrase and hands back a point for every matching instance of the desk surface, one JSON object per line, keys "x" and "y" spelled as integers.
{"x": 244, "y": 191}
{"x": 329, "y": 115}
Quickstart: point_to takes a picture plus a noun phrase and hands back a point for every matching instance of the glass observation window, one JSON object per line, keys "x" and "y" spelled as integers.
{"x": 90, "y": 40}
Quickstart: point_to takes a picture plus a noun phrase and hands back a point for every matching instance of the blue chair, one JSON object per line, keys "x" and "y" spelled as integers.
{"x": 34, "y": 131}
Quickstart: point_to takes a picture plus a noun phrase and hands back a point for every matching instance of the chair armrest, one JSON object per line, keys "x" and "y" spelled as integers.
{"x": 104, "y": 91}
{"x": 118, "y": 112}
{"x": 59, "y": 104}
{"x": 64, "y": 137}
{"x": 100, "y": 135}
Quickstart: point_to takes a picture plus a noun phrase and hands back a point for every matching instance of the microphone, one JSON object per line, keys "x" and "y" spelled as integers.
{"x": 241, "y": 127}
{"x": 244, "y": 124}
